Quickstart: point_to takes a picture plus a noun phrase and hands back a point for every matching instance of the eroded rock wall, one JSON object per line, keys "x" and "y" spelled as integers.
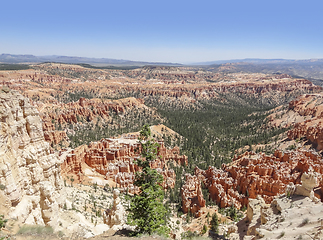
{"x": 305, "y": 115}
{"x": 29, "y": 171}
{"x": 114, "y": 158}
{"x": 252, "y": 174}
{"x": 192, "y": 196}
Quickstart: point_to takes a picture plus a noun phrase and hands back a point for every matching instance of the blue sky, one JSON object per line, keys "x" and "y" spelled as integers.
{"x": 163, "y": 31}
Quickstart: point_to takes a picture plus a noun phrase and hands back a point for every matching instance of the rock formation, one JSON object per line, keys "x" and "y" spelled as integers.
{"x": 70, "y": 97}
{"x": 192, "y": 196}
{"x": 254, "y": 213}
{"x": 29, "y": 171}
{"x": 309, "y": 182}
{"x": 114, "y": 159}
{"x": 252, "y": 174}
{"x": 85, "y": 110}
{"x": 305, "y": 115}
{"x": 56, "y": 137}
{"x": 288, "y": 217}
{"x": 84, "y": 113}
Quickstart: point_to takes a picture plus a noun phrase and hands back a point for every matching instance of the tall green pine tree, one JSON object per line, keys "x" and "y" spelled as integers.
{"x": 147, "y": 210}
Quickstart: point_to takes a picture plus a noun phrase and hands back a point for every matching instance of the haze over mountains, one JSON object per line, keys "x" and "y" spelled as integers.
{"x": 29, "y": 58}
{"x": 11, "y": 58}
{"x": 307, "y": 68}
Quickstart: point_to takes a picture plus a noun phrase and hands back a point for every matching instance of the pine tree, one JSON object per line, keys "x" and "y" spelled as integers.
{"x": 215, "y": 223}
{"x": 147, "y": 210}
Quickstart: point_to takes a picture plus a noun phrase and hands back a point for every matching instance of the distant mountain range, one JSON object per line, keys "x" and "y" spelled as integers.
{"x": 308, "y": 68}
{"x": 14, "y": 59}
{"x": 311, "y": 69}
{"x": 261, "y": 61}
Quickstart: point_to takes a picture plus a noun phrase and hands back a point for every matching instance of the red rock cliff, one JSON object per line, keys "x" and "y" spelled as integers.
{"x": 252, "y": 174}
{"x": 114, "y": 159}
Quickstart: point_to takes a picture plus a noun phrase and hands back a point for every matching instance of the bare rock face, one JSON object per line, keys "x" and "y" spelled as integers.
{"x": 252, "y": 174}
{"x": 114, "y": 159}
{"x": 83, "y": 112}
{"x": 254, "y": 212}
{"x": 287, "y": 218}
{"x": 56, "y": 137}
{"x": 28, "y": 170}
{"x": 192, "y": 196}
{"x": 309, "y": 182}
{"x": 310, "y": 108}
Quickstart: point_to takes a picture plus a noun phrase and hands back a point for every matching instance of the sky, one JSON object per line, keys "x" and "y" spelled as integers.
{"x": 163, "y": 31}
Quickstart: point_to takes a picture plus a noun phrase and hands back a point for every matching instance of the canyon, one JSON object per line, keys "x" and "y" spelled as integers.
{"x": 67, "y": 129}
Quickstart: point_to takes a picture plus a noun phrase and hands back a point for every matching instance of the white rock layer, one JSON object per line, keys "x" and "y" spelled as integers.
{"x": 28, "y": 170}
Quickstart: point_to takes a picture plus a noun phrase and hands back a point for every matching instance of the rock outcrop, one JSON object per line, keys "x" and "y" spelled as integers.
{"x": 29, "y": 171}
{"x": 85, "y": 110}
{"x": 114, "y": 159}
{"x": 56, "y": 137}
{"x": 288, "y": 218}
{"x": 309, "y": 182}
{"x": 252, "y": 174}
{"x": 192, "y": 196}
{"x": 71, "y": 98}
{"x": 254, "y": 214}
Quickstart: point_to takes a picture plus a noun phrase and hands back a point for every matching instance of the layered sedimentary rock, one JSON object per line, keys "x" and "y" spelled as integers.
{"x": 56, "y": 90}
{"x": 114, "y": 158}
{"x": 305, "y": 115}
{"x": 82, "y": 113}
{"x": 188, "y": 84}
{"x": 85, "y": 110}
{"x": 252, "y": 174}
{"x": 56, "y": 137}
{"x": 29, "y": 171}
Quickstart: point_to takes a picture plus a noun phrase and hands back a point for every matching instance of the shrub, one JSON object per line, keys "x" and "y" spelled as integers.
{"x": 27, "y": 229}
{"x": 204, "y": 229}
{"x": 2, "y": 222}
{"x": 189, "y": 235}
{"x": 305, "y": 221}
{"x": 215, "y": 223}
{"x": 282, "y": 234}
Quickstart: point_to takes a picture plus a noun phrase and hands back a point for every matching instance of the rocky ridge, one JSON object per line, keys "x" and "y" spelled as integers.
{"x": 310, "y": 108}
{"x": 186, "y": 83}
{"x": 84, "y": 113}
